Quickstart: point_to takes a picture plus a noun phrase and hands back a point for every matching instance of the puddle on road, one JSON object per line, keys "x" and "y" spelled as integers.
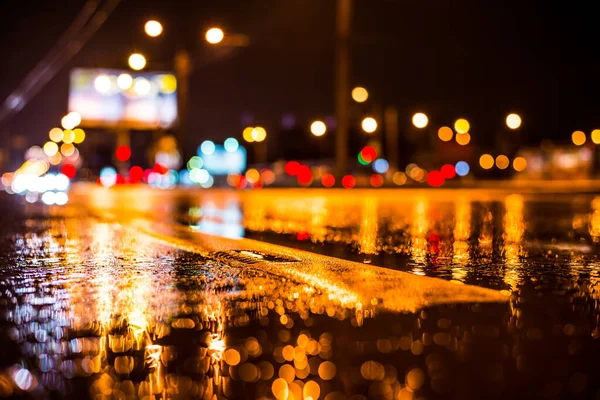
{"x": 89, "y": 309}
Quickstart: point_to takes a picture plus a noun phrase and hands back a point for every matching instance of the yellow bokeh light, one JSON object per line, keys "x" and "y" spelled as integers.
{"x": 124, "y": 81}
{"x": 360, "y": 94}
{"x": 67, "y": 149}
{"x": 214, "y": 35}
{"x": 596, "y": 136}
{"x": 56, "y": 134}
{"x": 252, "y": 175}
{"x": 259, "y": 134}
{"x": 420, "y": 120}
{"x": 153, "y": 28}
{"x": 50, "y": 148}
{"x": 79, "y": 135}
{"x": 486, "y": 161}
{"x": 519, "y": 164}
{"x": 318, "y": 128}
{"x": 502, "y": 162}
{"x": 68, "y": 136}
{"x": 445, "y": 134}
{"x": 513, "y": 121}
{"x": 369, "y": 125}
{"x": 137, "y": 61}
{"x": 463, "y": 138}
{"x": 247, "y": 134}
{"x": 168, "y": 84}
{"x": 578, "y": 138}
{"x": 461, "y": 125}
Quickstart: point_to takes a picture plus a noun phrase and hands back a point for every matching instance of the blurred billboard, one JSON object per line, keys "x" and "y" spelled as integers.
{"x": 119, "y": 98}
{"x": 223, "y": 162}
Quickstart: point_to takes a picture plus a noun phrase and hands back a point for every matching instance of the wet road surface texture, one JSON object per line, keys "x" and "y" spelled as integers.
{"x": 121, "y": 294}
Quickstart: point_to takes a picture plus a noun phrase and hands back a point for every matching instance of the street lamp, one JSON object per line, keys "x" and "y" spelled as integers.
{"x": 318, "y": 128}
{"x": 214, "y": 35}
{"x": 259, "y": 134}
{"x": 153, "y": 28}
{"x": 513, "y": 121}
{"x": 596, "y": 136}
{"x": 247, "y": 134}
{"x": 369, "y": 125}
{"x": 420, "y": 120}
{"x": 461, "y": 125}
{"x": 137, "y": 61}
{"x": 360, "y": 94}
{"x": 578, "y": 138}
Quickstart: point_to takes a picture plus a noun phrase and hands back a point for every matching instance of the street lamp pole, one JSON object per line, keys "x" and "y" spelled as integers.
{"x": 342, "y": 86}
{"x": 183, "y": 67}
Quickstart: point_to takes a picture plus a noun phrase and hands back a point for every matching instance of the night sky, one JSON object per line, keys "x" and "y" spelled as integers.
{"x": 475, "y": 59}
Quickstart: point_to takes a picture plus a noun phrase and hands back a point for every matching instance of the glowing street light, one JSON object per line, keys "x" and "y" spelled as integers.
{"x": 486, "y": 161}
{"x": 445, "y": 134}
{"x": 318, "y": 128}
{"x": 153, "y": 28}
{"x": 513, "y": 121}
{"x": 259, "y": 134}
{"x": 247, "y": 134}
{"x": 502, "y": 162}
{"x": 596, "y": 136}
{"x": 463, "y": 138}
{"x": 137, "y": 62}
{"x": 519, "y": 164}
{"x": 461, "y": 125}
{"x": 360, "y": 94}
{"x": 369, "y": 125}
{"x": 214, "y": 35}
{"x": 420, "y": 120}
{"x": 578, "y": 138}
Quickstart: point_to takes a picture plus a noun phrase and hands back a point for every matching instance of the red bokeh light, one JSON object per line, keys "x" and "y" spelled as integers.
{"x": 376, "y": 180}
{"x": 302, "y": 236}
{"x": 328, "y": 180}
{"x": 123, "y": 153}
{"x": 69, "y": 171}
{"x": 160, "y": 168}
{"x": 368, "y": 153}
{"x": 242, "y": 183}
{"x": 292, "y": 168}
{"x": 448, "y": 171}
{"x": 120, "y": 179}
{"x": 304, "y": 175}
{"x": 435, "y": 178}
{"x": 136, "y": 174}
{"x": 348, "y": 181}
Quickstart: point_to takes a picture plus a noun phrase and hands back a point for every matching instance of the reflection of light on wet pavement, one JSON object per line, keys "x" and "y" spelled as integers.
{"x": 147, "y": 309}
{"x": 368, "y": 227}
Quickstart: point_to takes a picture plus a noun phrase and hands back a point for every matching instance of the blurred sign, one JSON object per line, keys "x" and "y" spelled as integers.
{"x": 137, "y": 100}
{"x": 223, "y": 162}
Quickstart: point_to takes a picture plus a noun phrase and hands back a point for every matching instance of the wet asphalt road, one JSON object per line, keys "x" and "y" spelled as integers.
{"x": 103, "y": 299}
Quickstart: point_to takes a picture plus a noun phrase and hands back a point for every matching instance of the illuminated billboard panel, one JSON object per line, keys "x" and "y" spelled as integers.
{"x": 223, "y": 162}
{"x": 120, "y": 98}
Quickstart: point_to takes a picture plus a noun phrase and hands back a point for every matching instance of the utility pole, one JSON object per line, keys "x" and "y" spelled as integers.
{"x": 183, "y": 68}
{"x": 391, "y": 136}
{"x": 342, "y": 84}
